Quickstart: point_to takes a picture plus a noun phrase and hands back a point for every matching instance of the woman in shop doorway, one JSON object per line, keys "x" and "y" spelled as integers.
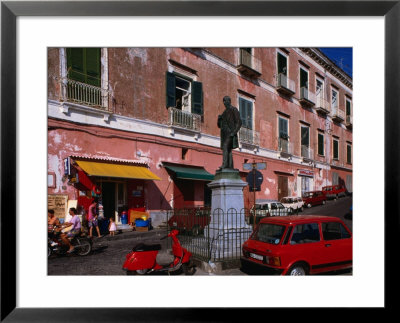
{"x": 92, "y": 219}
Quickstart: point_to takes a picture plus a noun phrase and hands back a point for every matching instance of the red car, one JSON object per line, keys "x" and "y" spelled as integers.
{"x": 314, "y": 198}
{"x": 299, "y": 245}
{"x": 334, "y": 191}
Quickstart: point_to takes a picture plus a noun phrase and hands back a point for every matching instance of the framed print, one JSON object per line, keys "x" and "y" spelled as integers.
{"x": 29, "y": 28}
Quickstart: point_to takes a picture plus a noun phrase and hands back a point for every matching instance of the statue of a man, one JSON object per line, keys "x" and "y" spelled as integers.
{"x": 229, "y": 122}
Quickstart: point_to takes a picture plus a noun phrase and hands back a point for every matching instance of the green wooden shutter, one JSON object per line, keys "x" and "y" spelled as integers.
{"x": 348, "y": 108}
{"x": 246, "y": 113}
{"x": 335, "y": 149}
{"x": 75, "y": 64}
{"x": 170, "y": 89}
{"x": 249, "y": 115}
{"x": 84, "y": 65}
{"x": 93, "y": 66}
{"x": 283, "y": 128}
{"x": 197, "y": 97}
{"x": 348, "y": 154}
{"x": 320, "y": 144}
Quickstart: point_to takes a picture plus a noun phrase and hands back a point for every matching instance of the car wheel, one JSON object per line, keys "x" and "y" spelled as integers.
{"x": 141, "y": 271}
{"x": 323, "y": 202}
{"x": 297, "y": 270}
{"x": 309, "y": 205}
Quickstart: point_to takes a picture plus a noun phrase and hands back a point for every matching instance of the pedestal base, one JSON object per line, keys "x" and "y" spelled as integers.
{"x": 228, "y": 229}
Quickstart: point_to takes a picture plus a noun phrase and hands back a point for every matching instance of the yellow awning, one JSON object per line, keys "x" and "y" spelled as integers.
{"x": 116, "y": 170}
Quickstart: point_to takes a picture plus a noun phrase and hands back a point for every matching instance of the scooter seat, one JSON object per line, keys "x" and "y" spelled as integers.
{"x": 147, "y": 247}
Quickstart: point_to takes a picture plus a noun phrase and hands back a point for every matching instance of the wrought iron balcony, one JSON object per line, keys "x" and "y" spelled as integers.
{"x": 307, "y": 98}
{"x": 249, "y": 137}
{"x": 249, "y": 65}
{"x": 307, "y": 153}
{"x": 322, "y": 105}
{"x": 337, "y": 114}
{"x": 184, "y": 120}
{"x": 285, "y": 148}
{"x": 84, "y": 94}
{"x": 349, "y": 121}
{"x": 285, "y": 85}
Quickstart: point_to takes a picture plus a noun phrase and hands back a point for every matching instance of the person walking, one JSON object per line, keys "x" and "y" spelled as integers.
{"x": 92, "y": 219}
{"x": 112, "y": 227}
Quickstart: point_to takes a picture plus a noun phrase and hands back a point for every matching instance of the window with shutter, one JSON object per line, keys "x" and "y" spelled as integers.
{"x": 303, "y": 78}
{"x": 335, "y": 149}
{"x": 349, "y": 154}
{"x": 348, "y": 107}
{"x": 283, "y": 128}
{"x": 320, "y": 144}
{"x": 197, "y": 97}
{"x": 305, "y": 136}
{"x": 246, "y": 113}
{"x": 184, "y": 94}
{"x": 282, "y": 64}
{"x": 84, "y": 65}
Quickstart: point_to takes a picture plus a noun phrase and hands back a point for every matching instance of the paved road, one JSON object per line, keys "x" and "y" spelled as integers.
{"x": 108, "y": 256}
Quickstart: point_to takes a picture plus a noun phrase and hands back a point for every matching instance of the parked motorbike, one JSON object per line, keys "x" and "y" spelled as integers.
{"x": 82, "y": 244}
{"x": 148, "y": 258}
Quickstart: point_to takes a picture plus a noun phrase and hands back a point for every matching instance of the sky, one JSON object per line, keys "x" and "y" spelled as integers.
{"x": 341, "y": 56}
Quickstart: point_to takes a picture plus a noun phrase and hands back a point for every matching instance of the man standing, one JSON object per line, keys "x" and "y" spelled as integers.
{"x": 229, "y": 122}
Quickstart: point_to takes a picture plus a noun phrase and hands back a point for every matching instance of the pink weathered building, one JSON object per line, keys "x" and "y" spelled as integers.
{"x": 141, "y": 123}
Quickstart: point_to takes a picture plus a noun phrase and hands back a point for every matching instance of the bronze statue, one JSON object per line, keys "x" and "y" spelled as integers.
{"x": 229, "y": 122}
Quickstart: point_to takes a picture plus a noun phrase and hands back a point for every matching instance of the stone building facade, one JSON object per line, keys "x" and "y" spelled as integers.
{"x": 139, "y": 125}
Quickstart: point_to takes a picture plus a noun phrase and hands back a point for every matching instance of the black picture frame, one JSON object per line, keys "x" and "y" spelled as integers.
{"x": 10, "y": 10}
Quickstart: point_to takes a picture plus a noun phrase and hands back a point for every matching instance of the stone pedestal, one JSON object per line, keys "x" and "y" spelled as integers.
{"x": 228, "y": 229}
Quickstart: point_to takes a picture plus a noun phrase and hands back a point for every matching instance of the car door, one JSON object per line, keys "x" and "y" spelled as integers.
{"x": 305, "y": 244}
{"x": 338, "y": 245}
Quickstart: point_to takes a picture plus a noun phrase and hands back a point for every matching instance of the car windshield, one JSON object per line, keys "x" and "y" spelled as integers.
{"x": 270, "y": 233}
{"x": 307, "y": 194}
{"x": 286, "y": 200}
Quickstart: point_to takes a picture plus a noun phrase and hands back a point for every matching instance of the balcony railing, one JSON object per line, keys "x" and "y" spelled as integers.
{"x": 184, "y": 120}
{"x": 349, "y": 120}
{"x": 322, "y": 105}
{"x": 307, "y": 152}
{"x": 84, "y": 94}
{"x": 307, "y": 97}
{"x": 285, "y": 85}
{"x": 285, "y": 147}
{"x": 337, "y": 114}
{"x": 248, "y": 64}
{"x": 249, "y": 137}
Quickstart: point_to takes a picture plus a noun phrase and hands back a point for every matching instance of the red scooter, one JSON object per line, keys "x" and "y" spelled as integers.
{"x": 145, "y": 259}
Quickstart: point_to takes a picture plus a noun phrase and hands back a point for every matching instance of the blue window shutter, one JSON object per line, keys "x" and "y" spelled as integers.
{"x": 170, "y": 89}
{"x": 197, "y": 98}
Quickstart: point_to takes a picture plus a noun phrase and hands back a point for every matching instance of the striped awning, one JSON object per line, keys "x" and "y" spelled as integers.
{"x": 116, "y": 170}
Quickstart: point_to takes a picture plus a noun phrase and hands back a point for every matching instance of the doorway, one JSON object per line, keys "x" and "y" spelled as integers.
{"x": 283, "y": 188}
{"x": 108, "y": 199}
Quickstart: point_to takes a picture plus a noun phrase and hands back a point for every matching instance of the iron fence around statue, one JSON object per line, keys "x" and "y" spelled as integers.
{"x": 216, "y": 236}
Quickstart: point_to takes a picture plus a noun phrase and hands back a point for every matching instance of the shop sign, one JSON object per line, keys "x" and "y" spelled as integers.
{"x": 306, "y": 172}
{"x": 59, "y": 204}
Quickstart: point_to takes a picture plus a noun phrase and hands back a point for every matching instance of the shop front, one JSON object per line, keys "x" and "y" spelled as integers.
{"x": 117, "y": 185}
{"x": 190, "y": 186}
{"x": 305, "y": 180}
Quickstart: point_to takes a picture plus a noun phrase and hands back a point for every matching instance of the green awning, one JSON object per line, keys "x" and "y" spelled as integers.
{"x": 193, "y": 173}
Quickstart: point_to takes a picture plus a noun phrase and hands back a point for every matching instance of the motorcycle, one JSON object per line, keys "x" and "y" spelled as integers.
{"x": 83, "y": 245}
{"x": 148, "y": 258}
